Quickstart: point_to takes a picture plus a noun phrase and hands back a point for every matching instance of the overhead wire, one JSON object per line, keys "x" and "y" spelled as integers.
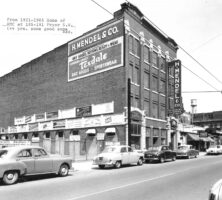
{"x": 155, "y": 46}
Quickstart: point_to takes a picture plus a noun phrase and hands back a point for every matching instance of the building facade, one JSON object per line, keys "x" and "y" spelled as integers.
{"x": 111, "y": 85}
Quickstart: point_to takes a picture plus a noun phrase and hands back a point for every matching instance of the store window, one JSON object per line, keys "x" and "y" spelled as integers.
{"x": 146, "y": 54}
{"x": 47, "y": 135}
{"x": 154, "y": 58}
{"x": 146, "y": 79}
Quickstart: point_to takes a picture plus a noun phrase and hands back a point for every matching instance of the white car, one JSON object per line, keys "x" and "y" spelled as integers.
{"x": 117, "y": 156}
{"x": 215, "y": 149}
{"x": 216, "y": 191}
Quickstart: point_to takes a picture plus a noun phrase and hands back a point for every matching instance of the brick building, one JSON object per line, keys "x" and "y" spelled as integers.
{"x": 75, "y": 99}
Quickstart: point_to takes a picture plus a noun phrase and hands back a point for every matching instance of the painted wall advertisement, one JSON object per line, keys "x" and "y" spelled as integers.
{"x": 97, "y": 52}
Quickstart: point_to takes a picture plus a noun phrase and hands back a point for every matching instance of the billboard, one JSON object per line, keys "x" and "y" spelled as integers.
{"x": 96, "y": 52}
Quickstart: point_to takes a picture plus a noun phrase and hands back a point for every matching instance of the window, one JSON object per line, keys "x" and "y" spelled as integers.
{"x": 131, "y": 44}
{"x": 154, "y": 82}
{"x": 162, "y": 64}
{"x": 146, "y": 54}
{"x": 146, "y": 80}
{"x": 154, "y": 110}
{"x": 130, "y": 149}
{"x": 136, "y": 75}
{"x": 123, "y": 150}
{"x": 137, "y": 103}
{"x": 154, "y": 58}
{"x": 39, "y": 152}
{"x": 162, "y": 111}
{"x": 135, "y": 129}
{"x": 47, "y": 135}
{"x": 136, "y": 47}
{"x": 171, "y": 90}
{"x": 25, "y": 153}
{"x": 131, "y": 71}
{"x": 162, "y": 86}
{"x": 147, "y": 107}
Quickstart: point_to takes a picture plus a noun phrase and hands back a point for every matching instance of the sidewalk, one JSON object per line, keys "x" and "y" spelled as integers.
{"x": 87, "y": 165}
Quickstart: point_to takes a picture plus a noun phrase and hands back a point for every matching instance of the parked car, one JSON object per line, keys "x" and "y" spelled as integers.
{"x": 216, "y": 191}
{"x": 30, "y": 160}
{"x": 117, "y": 156}
{"x": 187, "y": 151}
{"x": 214, "y": 149}
{"x": 161, "y": 153}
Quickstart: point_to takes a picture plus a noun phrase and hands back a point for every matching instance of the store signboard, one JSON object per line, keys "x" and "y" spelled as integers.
{"x": 33, "y": 127}
{"x": 40, "y": 117}
{"x": 45, "y": 126}
{"x": 98, "y": 36}
{"x": 29, "y": 119}
{"x": 19, "y": 120}
{"x": 96, "y": 52}
{"x": 12, "y": 129}
{"x": 60, "y": 124}
{"x": 103, "y": 108}
{"x": 92, "y": 121}
{"x": 84, "y": 111}
{"x": 98, "y": 59}
{"x": 22, "y": 128}
{"x": 114, "y": 119}
{"x": 52, "y": 115}
{"x": 67, "y": 113}
{"x": 100, "y": 136}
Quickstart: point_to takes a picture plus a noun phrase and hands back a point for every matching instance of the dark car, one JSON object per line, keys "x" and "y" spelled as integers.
{"x": 187, "y": 151}
{"x": 161, "y": 153}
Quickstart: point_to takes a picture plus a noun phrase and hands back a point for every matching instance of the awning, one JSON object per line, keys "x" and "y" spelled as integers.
{"x": 91, "y": 131}
{"x": 207, "y": 139}
{"x": 110, "y": 130}
{"x": 193, "y": 137}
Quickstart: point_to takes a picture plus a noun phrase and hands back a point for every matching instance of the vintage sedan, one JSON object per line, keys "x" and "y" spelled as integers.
{"x": 214, "y": 150}
{"x": 161, "y": 153}
{"x": 216, "y": 191}
{"x": 186, "y": 151}
{"x": 117, "y": 156}
{"x": 24, "y": 160}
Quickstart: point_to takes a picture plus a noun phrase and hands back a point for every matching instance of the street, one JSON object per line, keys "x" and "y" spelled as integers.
{"x": 180, "y": 180}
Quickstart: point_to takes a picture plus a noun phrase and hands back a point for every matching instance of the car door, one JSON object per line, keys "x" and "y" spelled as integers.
{"x": 133, "y": 156}
{"x": 43, "y": 162}
{"x": 164, "y": 152}
{"x": 25, "y": 156}
{"x": 124, "y": 155}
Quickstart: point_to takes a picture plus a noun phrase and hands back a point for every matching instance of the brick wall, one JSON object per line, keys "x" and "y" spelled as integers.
{"x": 41, "y": 86}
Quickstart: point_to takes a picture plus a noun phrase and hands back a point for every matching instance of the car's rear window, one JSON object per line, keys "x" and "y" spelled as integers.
{"x": 3, "y": 153}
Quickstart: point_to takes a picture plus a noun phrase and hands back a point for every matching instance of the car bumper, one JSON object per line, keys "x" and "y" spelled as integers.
{"x": 106, "y": 163}
{"x": 151, "y": 158}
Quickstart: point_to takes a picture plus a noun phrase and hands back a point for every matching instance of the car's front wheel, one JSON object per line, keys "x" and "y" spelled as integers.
{"x": 140, "y": 161}
{"x": 64, "y": 170}
{"x": 10, "y": 177}
{"x": 101, "y": 166}
{"x": 173, "y": 158}
{"x": 162, "y": 160}
{"x": 117, "y": 164}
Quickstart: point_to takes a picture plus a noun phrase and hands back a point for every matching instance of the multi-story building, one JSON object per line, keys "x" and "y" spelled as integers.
{"x": 110, "y": 85}
{"x": 212, "y": 122}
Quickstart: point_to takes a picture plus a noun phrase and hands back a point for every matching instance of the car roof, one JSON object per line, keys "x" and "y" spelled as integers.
{"x": 20, "y": 147}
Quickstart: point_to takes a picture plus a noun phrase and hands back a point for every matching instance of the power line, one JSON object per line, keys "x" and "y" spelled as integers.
{"x": 149, "y": 41}
{"x": 201, "y": 91}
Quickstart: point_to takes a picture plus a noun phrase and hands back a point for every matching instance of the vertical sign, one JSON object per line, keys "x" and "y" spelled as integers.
{"x": 176, "y": 64}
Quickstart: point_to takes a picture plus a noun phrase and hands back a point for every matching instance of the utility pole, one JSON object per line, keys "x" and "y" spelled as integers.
{"x": 129, "y": 110}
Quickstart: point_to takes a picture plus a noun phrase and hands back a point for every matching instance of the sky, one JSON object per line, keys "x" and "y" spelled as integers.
{"x": 195, "y": 25}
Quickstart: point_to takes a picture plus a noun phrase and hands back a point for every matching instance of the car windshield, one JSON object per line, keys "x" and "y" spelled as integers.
{"x": 3, "y": 153}
{"x": 111, "y": 150}
{"x": 183, "y": 147}
{"x": 154, "y": 148}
